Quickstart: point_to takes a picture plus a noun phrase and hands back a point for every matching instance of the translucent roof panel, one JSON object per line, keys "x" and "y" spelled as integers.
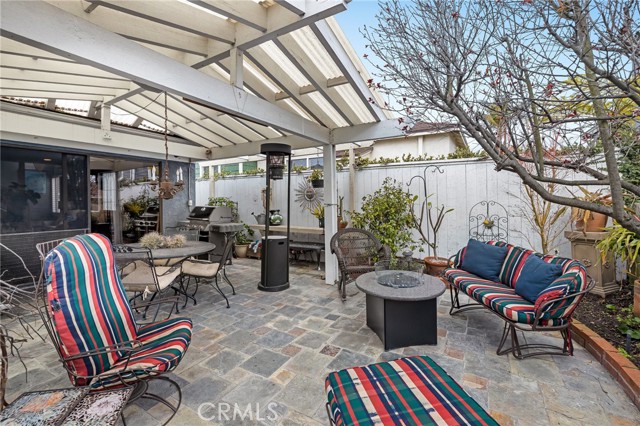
{"x": 312, "y": 47}
{"x": 259, "y": 75}
{"x": 349, "y": 95}
{"x": 285, "y": 64}
{"x": 74, "y": 107}
{"x": 121, "y": 116}
{"x": 330, "y": 110}
{"x": 150, "y": 126}
{"x": 297, "y": 109}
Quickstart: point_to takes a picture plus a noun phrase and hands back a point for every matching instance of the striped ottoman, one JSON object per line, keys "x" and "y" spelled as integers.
{"x": 413, "y": 391}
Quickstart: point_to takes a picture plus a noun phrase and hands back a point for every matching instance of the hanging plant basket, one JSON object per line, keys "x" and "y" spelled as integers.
{"x": 317, "y": 183}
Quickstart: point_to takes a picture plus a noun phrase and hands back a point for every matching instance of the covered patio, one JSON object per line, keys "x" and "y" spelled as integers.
{"x": 276, "y": 351}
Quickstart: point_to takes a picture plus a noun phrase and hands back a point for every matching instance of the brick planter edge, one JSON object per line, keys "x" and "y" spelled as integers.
{"x": 623, "y": 370}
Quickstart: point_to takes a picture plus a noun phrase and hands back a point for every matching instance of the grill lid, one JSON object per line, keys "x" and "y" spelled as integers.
{"x": 201, "y": 212}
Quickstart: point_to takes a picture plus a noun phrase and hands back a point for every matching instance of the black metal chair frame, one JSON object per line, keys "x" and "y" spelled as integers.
{"x": 511, "y": 327}
{"x": 348, "y": 273}
{"x": 126, "y": 255}
{"x": 221, "y": 272}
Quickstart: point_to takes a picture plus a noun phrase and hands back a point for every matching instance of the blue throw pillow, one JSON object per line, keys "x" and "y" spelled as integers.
{"x": 536, "y": 275}
{"x": 484, "y": 260}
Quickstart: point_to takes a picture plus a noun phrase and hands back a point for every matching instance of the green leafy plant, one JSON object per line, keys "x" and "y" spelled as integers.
{"x": 316, "y": 174}
{"x": 628, "y": 323}
{"x": 387, "y": 214}
{"x": 299, "y": 169}
{"x": 226, "y": 202}
{"x": 245, "y": 236}
{"x": 624, "y": 244}
{"x": 318, "y": 211}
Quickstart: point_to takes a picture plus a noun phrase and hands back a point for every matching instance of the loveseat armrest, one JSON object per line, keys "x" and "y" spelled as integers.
{"x": 561, "y": 306}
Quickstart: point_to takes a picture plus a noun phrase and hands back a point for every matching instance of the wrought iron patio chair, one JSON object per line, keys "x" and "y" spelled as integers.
{"x": 357, "y": 251}
{"x": 199, "y": 269}
{"x": 93, "y": 327}
{"x": 142, "y": 277}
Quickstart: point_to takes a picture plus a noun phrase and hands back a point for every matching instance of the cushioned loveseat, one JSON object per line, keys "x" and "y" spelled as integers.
{"x": 528, "y": 290}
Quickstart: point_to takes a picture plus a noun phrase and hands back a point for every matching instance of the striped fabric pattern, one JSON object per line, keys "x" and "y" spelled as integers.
{"x": 88, "y": 306}
{"x": 413, "y": 391}
{"x": 164, "y": 343}
{"x": 89, "y": 310}
{"x": 501, "y": 296}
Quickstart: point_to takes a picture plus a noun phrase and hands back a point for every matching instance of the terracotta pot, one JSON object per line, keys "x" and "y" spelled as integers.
{"x": 435, "y": 265}
{"x": 596, "y": 222}
{"x": 241, "y": 250}
{"x": 342, "y": 223}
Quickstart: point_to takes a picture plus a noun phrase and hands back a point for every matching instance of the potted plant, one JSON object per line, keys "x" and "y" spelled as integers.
{"x": 625, "y": 244}
{"x": 429, "y": 234}
{"x": 341, "y": 222}
{"x": 318, "y": 211}
{"x": 586, "y": 220}
{"x": 316, "y": 178}
{"x": 243, "y": 238}
{"x": 226, "y": 202}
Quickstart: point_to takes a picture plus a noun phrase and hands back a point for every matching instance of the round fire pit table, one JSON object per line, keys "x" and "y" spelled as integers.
{"x": 402, "y": 316}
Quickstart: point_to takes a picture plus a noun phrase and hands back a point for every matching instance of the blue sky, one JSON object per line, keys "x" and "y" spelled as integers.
{"x": 358, "y": 14}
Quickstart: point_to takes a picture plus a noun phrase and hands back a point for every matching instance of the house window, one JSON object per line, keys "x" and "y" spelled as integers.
{"x": 230, "y": 168}
{"x": 42, "y": 191}
{"x": 316, "y": 161}
{"x": 299, "y": 162}
{"x": 249, "y": 166}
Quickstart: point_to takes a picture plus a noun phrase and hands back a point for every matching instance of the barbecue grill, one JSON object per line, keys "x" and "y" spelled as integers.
{"x": 215, "y": 225}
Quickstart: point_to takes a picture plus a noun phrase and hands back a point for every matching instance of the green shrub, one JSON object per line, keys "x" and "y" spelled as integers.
{"x": 387, "y": 214}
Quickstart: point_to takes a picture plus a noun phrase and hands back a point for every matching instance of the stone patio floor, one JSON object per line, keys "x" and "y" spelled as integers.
{"x": 275, "y": 350}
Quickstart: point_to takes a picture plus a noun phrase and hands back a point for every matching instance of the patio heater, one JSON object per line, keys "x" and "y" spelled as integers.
{"x": 275, "y": 248}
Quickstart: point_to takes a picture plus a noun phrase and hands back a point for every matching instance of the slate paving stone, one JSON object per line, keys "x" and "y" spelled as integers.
{"x": 301, "y": 395}
{"x": 330, "y": 350}
{"x": 275, "y": 339}
{"x": 204, "y": 389}
{"x": 310, "y": 364}
{"x": 332, "y": 317}
{"x": 312, "y": 339}
{"x": 347, "y": 358}
{"x": 238, "y": 339}
{"x": 265, "y": 362}
{"x": 224, "y": 361}
{"x": 253, "y": 391}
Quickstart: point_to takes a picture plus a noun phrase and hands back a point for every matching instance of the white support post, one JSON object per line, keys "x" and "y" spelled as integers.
{"x": 352, "y": 179}
{"x": 330, "y": 212}
{"x": 105, "y": 121}
{"x": 420, "y": 145}
{"x": 236, "y": 71}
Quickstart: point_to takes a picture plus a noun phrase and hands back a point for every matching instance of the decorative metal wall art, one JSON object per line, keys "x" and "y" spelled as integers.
{"x": 307, "y": 196}
{"x": 489, "y": 221}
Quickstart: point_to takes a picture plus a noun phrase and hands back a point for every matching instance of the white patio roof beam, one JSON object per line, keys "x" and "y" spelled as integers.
{"x": 155, "y": 11}
{"x": 247, "y": 13}
{"x": 279, "y": 21}
{"x": 62, "y": 33}
{"x": 337, "y": 52}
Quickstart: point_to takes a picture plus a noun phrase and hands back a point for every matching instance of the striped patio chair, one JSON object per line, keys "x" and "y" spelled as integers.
{"x": 93, "y": 328}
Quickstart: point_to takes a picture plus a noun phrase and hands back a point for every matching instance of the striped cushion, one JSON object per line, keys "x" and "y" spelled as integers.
{"x": 163, "y": 345}
{"x": 88, "y": 305}
{"x": 413, "y": 391}
{"x": 89, "y": 309}
{"x": 500, "y": 298}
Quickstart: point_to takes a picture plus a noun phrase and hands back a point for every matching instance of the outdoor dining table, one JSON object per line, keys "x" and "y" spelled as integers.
{"x": 190, "y": 248}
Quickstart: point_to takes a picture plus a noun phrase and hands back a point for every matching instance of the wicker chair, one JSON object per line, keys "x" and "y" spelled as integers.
{"x": 357, "y": 251}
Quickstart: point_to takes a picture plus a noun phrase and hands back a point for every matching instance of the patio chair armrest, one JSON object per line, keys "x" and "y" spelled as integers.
{"x": 129, "y": 347}
{"x": 385, "y": 251}
{"x": 540, "y": 311}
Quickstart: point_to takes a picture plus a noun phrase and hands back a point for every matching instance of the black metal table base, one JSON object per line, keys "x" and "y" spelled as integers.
{"x": 403, "y": 323}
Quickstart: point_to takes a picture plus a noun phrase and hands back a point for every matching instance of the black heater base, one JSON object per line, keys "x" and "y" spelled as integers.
{"x": 271, "y": 288}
